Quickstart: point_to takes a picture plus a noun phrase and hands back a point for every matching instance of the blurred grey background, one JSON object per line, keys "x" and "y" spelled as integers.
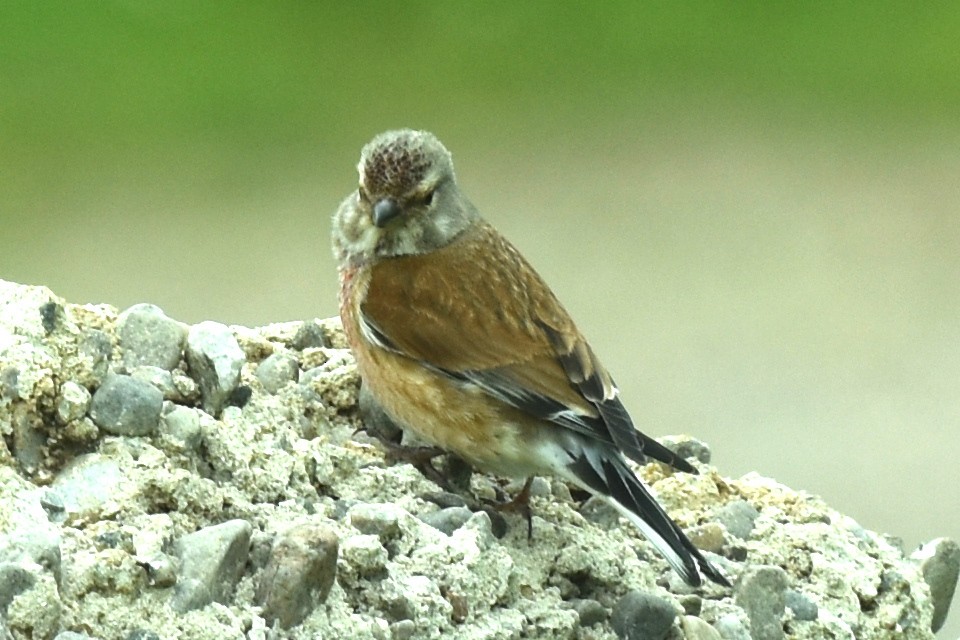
{"x": 754, "y": 213}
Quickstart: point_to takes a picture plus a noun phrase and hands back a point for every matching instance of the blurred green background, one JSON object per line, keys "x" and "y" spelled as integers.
{"x": 753, "y": 211}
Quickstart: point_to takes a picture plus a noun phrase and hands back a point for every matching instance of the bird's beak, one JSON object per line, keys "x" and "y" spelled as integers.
{"x": 385, "y": 210}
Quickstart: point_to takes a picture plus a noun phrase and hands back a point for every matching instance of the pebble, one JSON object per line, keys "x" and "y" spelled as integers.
{"x": 161, "y": 571}
{"x": 403, "y": 630}
{"x": 96, "y": 347}
{"x": 447, "y": 520}
{"x": 212, "y": 561}
{"x": 365, "y": 555}
{"x": 692, "y": 604}
{"x": 309, "y": 335}
{"x": 730, "y": 627}
{"x": 51, "y": 316}
{"x": 940, "y": 563}
{"x": 14, "y": 580}
{"x": 149, "y": 338}
{"x": 33, "y": 546}
{"x": 695, "y": 628}
{"x": 88, "y": 483}
{"x": 761, "y": 592}
{"x": 183, "y": 425}
{"x": 215, "y": 360}
{"x": 9, "y": 388}
{"x": 187, "y": 389}
{"x": 159, "y": 378}
{"x": 804, "y": 609}
{"x": 738, "y": 517}
{"x": 276, "y": 371}
{"x": 642, "y": 616}
{"x": 72, "y": 635}
{"x": 73, "y": 402}
{"x": 687, "y": 447}
{"x": 299, "y": 573}
{"x": 590, "y": 611}
{"x": 539, "y": 488}
{"x": 53, "y": 505}
{"x": 381, "y": 520}
{"x": 28, "y": 442}
{"x": 600, "y": 513}
{"x": 125, "y": 406}
{"x": 709, "y": 536}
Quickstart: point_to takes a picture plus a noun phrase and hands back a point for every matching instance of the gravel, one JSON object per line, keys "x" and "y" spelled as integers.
{"x": 153, "y": 486}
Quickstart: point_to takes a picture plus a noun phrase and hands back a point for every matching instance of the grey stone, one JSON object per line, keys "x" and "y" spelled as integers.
{"x": 96, "y": 347}
{"x": 14, "y": 580}
{"x": 761, "y": 592}
{"x": 28, "y": 441}
{"x": 52, "y": 503}
{"x": 299, "y": 573}
{"x": 276, "y": 371}
{"x": 35, "y": 546}
{"x": 589, "y": 611}
{"x": 309, "y": 335}
{"x": 738, "y": 517}
{"x": 447, "y": 520}
{"x": 804, "y": 609}
{"x": 600, "y": 513}
{"x": 73, "y": 401}
{"x": 9, "y": 389}
{"x": 642, "y": 616}
{"x": 403, "y": 630}
{"x": 148, "y": 337}
{"x": 687, "y": 447}
{"x": 159, "y": 378}
{"x": 940, "y": 563}
{"x": 212, "y": 561}
{"x": 72, "y": 635}
{"x": 88, "y": 482}
{"x": 382, "y": 520}
{"x": 539, "y": 487}
{"x": 125, "y": 406}
{"x": 52, "y": 316}
{"x": 183, "y": 425}
{"x": 215, "y": 360}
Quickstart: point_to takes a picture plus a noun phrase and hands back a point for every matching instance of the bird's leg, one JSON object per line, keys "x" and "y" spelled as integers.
{"x": 378, "y": 424}
{"x": 421, "y": 458}
{"x": 520, "y": 504}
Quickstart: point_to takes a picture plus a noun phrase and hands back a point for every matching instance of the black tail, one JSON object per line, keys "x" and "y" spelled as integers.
{"x": 604, "y": 473}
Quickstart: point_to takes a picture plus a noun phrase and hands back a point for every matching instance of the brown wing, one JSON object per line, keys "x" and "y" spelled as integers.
{"x": 477, "y": 311}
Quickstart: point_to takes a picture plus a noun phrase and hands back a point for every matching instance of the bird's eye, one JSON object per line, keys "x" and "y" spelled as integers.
{"x": 428, "y": 197}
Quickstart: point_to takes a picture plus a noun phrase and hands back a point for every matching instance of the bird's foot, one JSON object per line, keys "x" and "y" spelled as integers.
{"x": 519, "y": 504}
{"x": 422, "y": 460}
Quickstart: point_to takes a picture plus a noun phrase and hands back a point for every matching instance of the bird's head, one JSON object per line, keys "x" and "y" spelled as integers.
{"x": 407, "y": 202}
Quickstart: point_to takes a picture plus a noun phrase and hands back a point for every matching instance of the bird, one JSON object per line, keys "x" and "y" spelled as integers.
{"x": 461, "y": 342}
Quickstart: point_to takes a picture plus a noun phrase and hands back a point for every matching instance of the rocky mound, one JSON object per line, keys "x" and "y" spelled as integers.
{"x": 159, "y": 480}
